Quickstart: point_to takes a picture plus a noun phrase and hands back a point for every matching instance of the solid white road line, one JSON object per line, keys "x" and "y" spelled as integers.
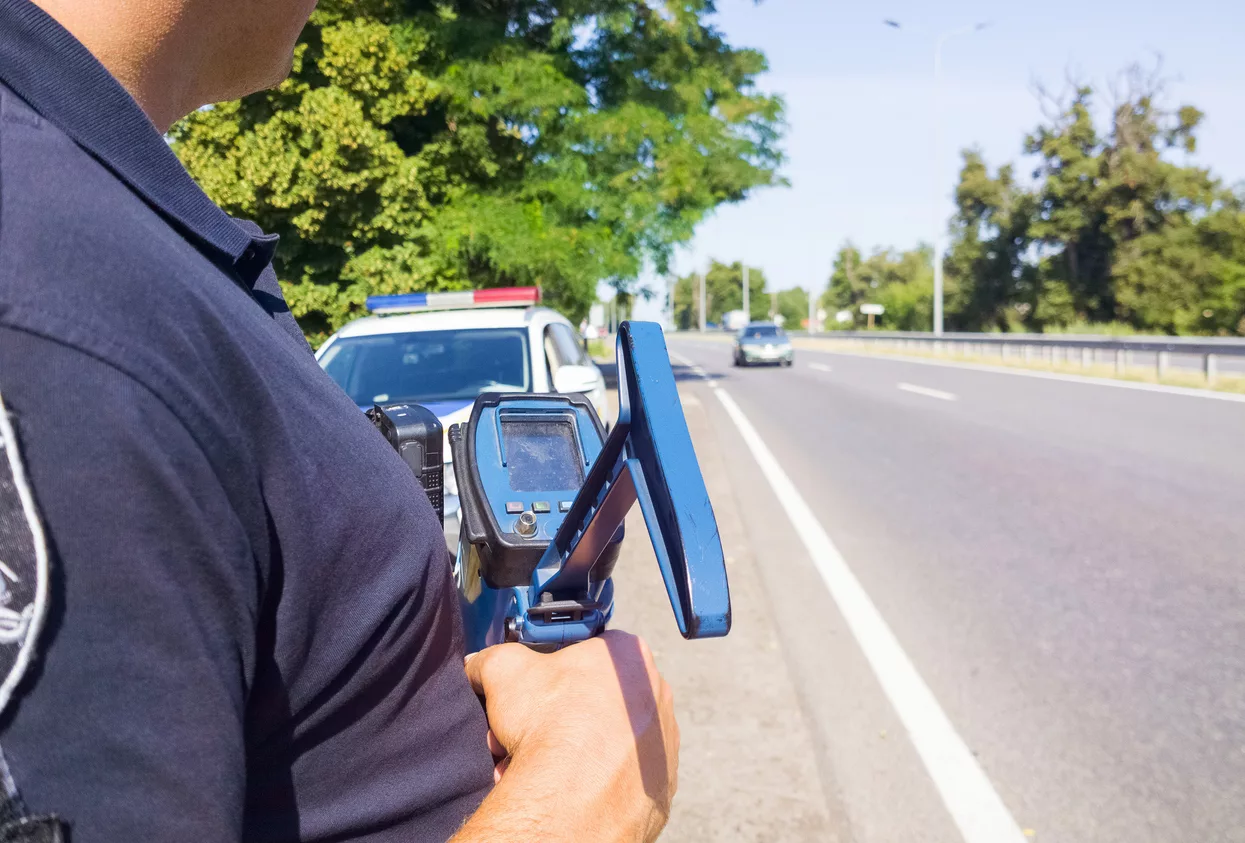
{"x": 926, "y": 391}
{"x": 696, "y": 368}
{"x": 819, "y": 367}
{"x": 1049, "y": 376}
{"x": 971, "y": 799}
{"x": 683, "y": 361}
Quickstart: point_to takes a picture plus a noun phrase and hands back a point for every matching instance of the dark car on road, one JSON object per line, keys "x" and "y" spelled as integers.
{"x": 763, "y": 342}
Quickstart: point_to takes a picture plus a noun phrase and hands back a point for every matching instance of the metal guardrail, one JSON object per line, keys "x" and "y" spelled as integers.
{"x": 1234, "y": 346}
{"x": 1070, "y": 348}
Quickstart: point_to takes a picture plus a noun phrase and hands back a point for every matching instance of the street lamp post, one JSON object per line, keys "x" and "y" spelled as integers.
{"x": 939, "y": 222}
{"x": 703, "y": 301}
{"x": 747, "y": 306}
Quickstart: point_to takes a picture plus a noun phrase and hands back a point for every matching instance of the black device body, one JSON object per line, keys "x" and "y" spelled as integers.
{"x": 506, "y": 558}
{"x": 415, "y": 433}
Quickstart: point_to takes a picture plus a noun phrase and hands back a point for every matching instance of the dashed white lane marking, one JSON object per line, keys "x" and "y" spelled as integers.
{"x": 926, "y": 391}
{"x": 696, "y": 368}
{"x": 819, "y": 367}
{"x": 972, "y": 801}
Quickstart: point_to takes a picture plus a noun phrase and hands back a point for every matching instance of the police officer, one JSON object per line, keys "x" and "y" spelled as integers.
{"x": 229, "y": 614}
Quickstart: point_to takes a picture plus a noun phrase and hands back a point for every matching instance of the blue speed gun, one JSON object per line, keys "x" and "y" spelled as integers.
{"x": 544, "y": 493}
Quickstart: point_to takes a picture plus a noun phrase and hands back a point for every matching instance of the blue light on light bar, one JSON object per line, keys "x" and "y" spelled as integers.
{"x": 397, "y": 304}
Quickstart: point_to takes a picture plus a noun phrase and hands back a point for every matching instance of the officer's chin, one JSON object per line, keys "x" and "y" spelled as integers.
{"x": 278, "y": 76}
{"x": 261, "y": 79}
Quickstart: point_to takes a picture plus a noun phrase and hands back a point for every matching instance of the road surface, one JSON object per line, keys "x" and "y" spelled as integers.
{"x": 1061, "y": 565}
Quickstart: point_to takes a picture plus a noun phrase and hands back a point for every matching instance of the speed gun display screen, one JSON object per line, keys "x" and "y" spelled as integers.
{"x": 542, "y": 456}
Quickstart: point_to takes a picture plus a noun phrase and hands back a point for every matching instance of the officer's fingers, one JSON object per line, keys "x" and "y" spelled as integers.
{"x": 493, "y": 665}
{"x": 495, "y": 746}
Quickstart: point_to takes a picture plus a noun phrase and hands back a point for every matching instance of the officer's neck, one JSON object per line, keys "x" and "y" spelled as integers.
{"x": 149, "y": 46}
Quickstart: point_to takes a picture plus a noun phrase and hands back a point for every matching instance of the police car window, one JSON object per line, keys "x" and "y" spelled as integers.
{"x": 570, "y": 352}
{"x": 430, "y": 366}
{"x": 553, "y": 360}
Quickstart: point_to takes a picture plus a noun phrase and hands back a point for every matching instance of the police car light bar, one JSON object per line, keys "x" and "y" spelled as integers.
{"x": 496, "y": 297}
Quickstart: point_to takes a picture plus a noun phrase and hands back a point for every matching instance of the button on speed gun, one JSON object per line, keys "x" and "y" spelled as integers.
{"x": 544, "y": 494}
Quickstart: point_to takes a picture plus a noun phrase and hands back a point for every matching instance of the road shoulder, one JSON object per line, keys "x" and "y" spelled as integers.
{"x": 748, "y": 770}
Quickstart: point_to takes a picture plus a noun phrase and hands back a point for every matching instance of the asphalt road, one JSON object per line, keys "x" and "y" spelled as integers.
{"x": 1062, "y": 563}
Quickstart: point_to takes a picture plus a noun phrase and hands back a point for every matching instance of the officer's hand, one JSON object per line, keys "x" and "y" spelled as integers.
{"x": 589, "y": 729}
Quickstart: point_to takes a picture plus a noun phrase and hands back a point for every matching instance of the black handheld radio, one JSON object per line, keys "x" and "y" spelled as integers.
{"x": 415, "y": 433}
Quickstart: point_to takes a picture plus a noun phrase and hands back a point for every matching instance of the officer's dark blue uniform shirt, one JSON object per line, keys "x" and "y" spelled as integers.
{"x": 253, "y": 632}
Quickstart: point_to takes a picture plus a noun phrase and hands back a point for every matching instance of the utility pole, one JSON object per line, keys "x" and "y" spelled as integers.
{"x": 702, "y": 302}
{"x": 812, "y": 311}
{"x": 747, "y": 309}
{"x": 939, "y": 223}
{"x": 668, "y": 322}
{"x": 826, "y": 294}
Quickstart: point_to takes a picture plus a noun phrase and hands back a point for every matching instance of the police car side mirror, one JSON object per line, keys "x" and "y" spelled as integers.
{"x": 570, "y": 380}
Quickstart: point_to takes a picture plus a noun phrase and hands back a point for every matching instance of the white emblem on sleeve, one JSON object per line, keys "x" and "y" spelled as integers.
{"x": 23, "y": 564}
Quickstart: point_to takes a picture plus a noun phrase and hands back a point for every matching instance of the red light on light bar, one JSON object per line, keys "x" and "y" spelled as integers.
{"x": 508, "y": 295}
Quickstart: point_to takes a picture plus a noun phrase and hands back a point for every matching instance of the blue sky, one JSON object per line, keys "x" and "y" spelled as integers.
{"x": 860, "y": 109}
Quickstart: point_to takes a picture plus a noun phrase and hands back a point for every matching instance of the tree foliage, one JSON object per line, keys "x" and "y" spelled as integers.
{"x": 988, "y": 267}
{"x": 1117, "y": 227}
{"x": 724, "y": 292}
{"x": 902, "y": 282}
{"x": 792, "y": 306}
{"x": 448, "y": 144}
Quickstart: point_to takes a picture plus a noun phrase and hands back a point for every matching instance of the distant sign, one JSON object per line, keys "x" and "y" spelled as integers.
{"x": 872, "y": 309}
{"x": 843, "y": 317}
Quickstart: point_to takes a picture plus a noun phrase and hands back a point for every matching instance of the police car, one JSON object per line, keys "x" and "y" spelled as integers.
{"x": 441, "y": 350}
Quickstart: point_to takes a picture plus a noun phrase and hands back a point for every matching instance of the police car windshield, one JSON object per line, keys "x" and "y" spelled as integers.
{"x": 762, "y": 331}
{"x": 426, "y": 367}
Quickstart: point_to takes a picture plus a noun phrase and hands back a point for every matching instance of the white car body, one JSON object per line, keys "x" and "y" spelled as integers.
{"x": 558, "y": 363}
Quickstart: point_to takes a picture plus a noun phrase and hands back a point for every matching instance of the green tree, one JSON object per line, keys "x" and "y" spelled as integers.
{"x": 1187, "y": 277}
{"x": 847, "y": 288}
{"x": 1120, "y": 220}
{"x": 990, "y": 283}
{"x": 902, "y": 282}
{"x": 1117, "y": 230}
{"x": 1069, "y": 220}
{"x": 793, "y": 307}
{"x": 424, "y": 145}
{"x": 724, "y": 292}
